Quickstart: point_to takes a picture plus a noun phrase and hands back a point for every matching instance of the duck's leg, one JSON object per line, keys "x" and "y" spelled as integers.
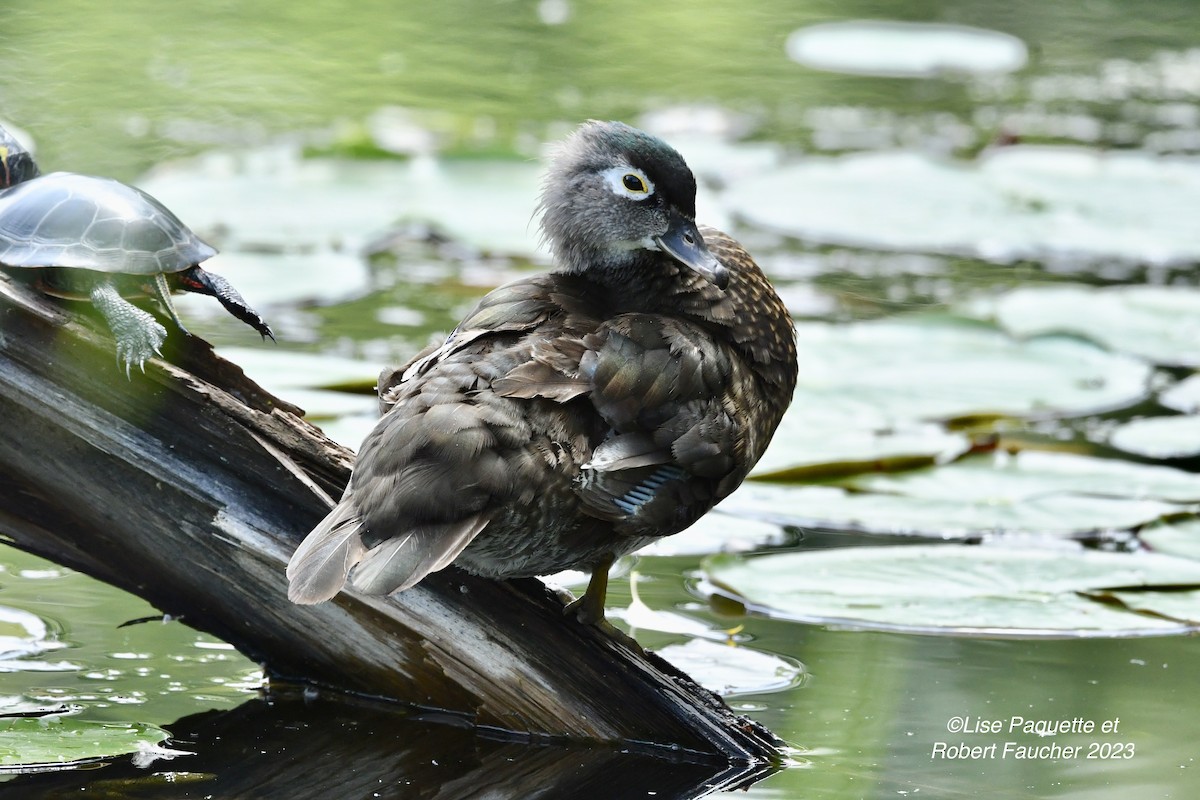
{"x": 209, "y": 283}
{"x": 589, "y": 609}
{"x": 138, "y": 334}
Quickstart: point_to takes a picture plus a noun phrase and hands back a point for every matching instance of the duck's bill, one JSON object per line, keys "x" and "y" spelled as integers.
{"x": 683, "y": 242}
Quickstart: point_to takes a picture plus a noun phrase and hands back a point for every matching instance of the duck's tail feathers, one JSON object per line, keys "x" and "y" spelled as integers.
{"x": 319, "y": 567}
{"x": 401, "y": 562}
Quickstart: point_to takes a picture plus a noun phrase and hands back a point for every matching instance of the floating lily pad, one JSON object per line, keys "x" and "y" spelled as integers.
{"x": 65, "y": 742}
{"x": 869, "y": 391}
{"x": 905, "y": 49}
{"x": 1159, "y": 323}
{"x": 819, "y": 438}
{"x": 958, "y": 590}
{"x": 1178, "y": 538}
{"x": 1031, "y": 492}
{"x": 1159, "y": 437}
{"x": 276, "y": 199}
{"x": 279, "y": 370}
{"x": 930, "y": 368}
{"x": 731, "y": 670}
{"x": 1022, "y": 202}
{"x": 717, "y": 533}
{"x": 122, "y": 681}
{"x": 1031, "y": 474}
{"x": 278, "y": 278}
{"x": 1181, "y": 606}
{"x": 1183, "y": 396}
{"x": 833, "y": 508}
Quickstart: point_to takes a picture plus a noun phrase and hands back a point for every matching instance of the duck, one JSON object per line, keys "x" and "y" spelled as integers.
{"x": 574, "y": 415}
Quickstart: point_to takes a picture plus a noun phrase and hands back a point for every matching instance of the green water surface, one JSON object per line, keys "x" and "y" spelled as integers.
{"x": 223, "y": 100}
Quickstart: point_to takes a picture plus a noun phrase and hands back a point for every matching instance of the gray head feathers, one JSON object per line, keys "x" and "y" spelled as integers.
{"x": 609, "y": 191}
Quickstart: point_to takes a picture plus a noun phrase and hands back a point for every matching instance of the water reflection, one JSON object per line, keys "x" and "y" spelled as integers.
{"x": 343, "y": 748}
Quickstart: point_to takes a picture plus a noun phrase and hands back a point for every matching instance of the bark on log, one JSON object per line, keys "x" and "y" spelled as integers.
{"x": 190, "y": 486}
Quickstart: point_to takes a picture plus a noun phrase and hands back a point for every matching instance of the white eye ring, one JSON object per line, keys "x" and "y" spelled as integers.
{"x": 620, "y": 178}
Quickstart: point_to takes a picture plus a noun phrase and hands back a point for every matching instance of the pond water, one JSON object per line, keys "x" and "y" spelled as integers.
{"x": 979, "y": 520}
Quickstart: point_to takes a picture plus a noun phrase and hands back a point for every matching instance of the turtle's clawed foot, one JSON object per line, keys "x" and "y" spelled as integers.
{"x": 138, "y": 342}
{"x": 139, "y": 336}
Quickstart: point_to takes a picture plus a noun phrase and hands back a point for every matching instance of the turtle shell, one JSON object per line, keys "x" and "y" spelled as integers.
{"x": 68, "y": 220}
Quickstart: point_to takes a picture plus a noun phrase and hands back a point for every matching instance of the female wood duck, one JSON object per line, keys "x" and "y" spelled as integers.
{"x": 576, "y": 415}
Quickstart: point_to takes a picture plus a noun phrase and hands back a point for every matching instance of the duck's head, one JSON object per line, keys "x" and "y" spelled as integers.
{"x": 615, "y": 194}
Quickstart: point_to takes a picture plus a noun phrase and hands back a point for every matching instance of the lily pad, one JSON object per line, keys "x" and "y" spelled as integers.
{"x": 1158, "y": 323}
{"x": 1183, "y": 607}
{"x": 716, "y": 533}
{"x": 284, "y": 278}
{"x": 279, "y": 370}
{"x": 1176, "y": 538}
{"x": 1059, "y": 494}
{"x": 1016, "y": 203}
{"x": 834, "y": 508}
{"x": 930, "y": 368}
{"x": 65, "y": 742}
{"x": 1030, "y": 474}
{"x": 728, "y": 669}
{"x": 959, "y": 590}
{"x": 1183, "y": 396}
{"x": 819, "y": 438}
{"x": 276, "y": 199}
{"x": 905, "y": 49}
{"x": 1159, "y": 437}
{"x": 871, "y": 392}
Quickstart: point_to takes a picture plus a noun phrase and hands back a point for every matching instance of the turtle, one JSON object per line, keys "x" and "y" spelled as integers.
{"x": 84, "y": 237}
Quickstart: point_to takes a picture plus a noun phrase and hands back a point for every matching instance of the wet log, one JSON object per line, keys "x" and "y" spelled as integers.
{"x": 190, "y": 486}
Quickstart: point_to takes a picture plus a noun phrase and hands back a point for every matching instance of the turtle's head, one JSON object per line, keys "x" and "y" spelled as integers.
{"x": 16, "y": 162}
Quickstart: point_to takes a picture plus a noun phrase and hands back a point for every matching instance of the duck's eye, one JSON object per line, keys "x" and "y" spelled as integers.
{"x": 629, "y": 182}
